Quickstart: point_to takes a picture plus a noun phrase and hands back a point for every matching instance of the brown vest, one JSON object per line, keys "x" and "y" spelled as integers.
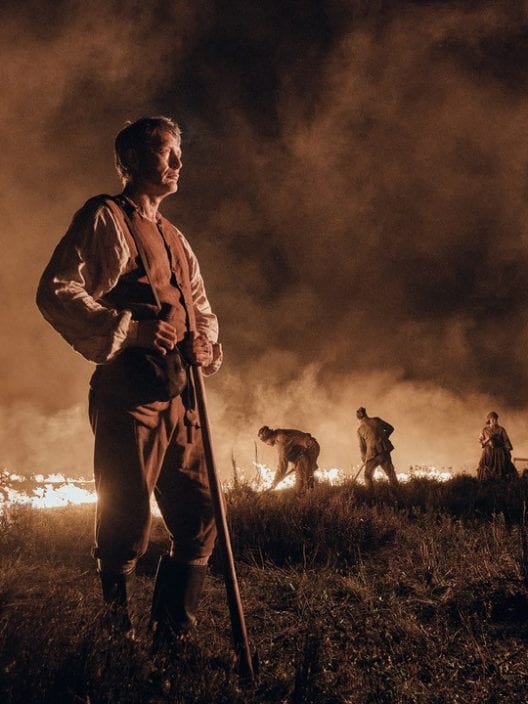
{"x": 168, "y": 268}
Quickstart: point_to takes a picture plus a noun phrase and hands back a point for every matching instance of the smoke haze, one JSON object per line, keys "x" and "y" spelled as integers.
{"x": 354, "y": 185}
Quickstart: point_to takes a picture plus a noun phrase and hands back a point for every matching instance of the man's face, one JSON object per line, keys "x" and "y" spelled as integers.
{"x": 159, "y": 164}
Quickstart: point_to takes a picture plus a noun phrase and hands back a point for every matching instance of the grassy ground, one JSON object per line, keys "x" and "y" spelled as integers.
{"x": 350, "y": 597}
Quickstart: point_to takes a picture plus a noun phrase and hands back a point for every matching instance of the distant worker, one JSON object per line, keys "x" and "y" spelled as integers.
{"x": 495, "y": 461}
{"x": 295, "y": 447}
{"x": 375, "y": 446}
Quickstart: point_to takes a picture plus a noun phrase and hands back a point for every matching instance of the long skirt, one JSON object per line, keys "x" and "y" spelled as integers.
{"x": 495, "y": 463}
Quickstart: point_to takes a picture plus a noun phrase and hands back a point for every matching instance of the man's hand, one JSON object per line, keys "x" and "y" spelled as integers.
{"x": 199, "y": 351}
{"x": 156, "y": 335}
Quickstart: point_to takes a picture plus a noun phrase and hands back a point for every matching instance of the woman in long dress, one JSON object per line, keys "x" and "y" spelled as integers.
{"x": 495, "y": 461}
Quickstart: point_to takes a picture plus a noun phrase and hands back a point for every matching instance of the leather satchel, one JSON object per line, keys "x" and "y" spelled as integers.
{"x": 152, "y": 376}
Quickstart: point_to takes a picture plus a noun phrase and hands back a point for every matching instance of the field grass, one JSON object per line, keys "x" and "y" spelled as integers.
{"x": 350, "y": 596}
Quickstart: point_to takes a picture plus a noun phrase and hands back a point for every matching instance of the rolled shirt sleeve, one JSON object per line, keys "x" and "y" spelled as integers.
{"x": 206, "y": 320}
{"x": 85, "y": 265}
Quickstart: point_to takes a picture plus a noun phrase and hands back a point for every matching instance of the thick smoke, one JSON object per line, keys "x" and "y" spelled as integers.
{"x": 354, "y": 185}
{"x": 72, "y": 75}
{"x": 391, "y": 252}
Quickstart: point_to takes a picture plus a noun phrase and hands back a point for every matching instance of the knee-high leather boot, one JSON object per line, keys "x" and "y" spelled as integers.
{"x": 177, "y": 592}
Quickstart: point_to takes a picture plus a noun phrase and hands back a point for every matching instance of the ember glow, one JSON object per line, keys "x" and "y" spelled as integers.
{"x": 440, "y": 474}
{"x": 335, "y": 476}
{"x": 264, "y": 478}
{"x": 56, "y": 490}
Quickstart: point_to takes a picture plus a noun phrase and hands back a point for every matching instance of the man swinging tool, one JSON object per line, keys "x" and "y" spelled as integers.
{"x": 375, "y": 446}
{"x": 295, "y": 447}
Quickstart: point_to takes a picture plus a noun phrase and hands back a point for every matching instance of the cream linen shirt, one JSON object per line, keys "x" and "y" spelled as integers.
{"x": 86, "y": 265}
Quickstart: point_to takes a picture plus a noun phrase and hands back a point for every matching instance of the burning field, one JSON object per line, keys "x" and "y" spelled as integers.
{"x": 56, "y": 490}
{"x": 355, "y": 191}
{"x": 350, "y": 595}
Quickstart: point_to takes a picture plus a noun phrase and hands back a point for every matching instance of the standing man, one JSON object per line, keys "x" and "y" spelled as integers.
{"x": 124, "y": 288}
{"x": 375, "y": 446}
{"x": 301, "y": 449}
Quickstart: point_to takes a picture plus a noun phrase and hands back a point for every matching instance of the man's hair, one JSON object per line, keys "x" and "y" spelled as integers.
{"x": 135, "y": 136}
{"x": 264, "y": 433}
{"x": 493, "y": 414}
{"x": 361, "y": 412}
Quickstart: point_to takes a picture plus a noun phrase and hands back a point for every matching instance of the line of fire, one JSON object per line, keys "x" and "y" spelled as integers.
{"x": 41, "y": 491}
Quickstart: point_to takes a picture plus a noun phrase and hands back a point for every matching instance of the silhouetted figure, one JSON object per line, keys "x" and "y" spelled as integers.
{"x": 375, "y": 446}
{"x": 124, "y": 288}
{"x": 495, "y": 461}
{"x": 295, "y": 447}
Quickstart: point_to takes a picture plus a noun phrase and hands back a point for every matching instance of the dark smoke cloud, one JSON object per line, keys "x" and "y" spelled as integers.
{"x": 71, "y": 74}
{"x": 386, "y": 228}
{"x": 354, "y": 185}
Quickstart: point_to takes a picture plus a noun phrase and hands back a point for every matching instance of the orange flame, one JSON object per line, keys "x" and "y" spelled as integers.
{"x": 56, "y": 490}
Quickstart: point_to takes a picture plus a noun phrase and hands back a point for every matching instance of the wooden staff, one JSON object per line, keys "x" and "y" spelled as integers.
{"x": 238, "y": 625}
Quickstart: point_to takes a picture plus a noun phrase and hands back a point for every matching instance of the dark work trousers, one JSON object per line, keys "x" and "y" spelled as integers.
{"x": 132, "y": 459}
{"x": 305, "y": 466}
{"x": 384, "y": 461}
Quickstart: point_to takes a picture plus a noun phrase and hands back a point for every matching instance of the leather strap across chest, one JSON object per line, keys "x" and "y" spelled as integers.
{"x": 128, "y": 217}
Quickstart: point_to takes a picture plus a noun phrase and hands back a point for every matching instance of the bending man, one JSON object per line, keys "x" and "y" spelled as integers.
{"x": 295, "y": 447}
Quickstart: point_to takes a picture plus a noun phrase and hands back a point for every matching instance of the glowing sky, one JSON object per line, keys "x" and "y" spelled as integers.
{"x": 354, "y": 184}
